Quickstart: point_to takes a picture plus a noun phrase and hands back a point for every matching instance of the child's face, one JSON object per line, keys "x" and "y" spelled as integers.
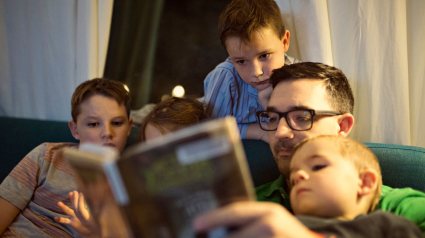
{"x": 102, "y": 121}
{"x": 324, "y": 184}
{"x": 255, "y": 60}
{"x": 151, "y": 132}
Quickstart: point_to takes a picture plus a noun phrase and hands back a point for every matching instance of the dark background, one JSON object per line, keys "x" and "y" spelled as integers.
{"x": 156, "y": 45}
{"x": 188, "y": 46}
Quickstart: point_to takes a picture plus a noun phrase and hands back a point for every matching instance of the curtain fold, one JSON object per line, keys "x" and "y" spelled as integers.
{"x": 131, "y": 51}
{"x": 48, "y": 48}
{"x": 416, "y": 59}
{"x": 379, "y": 46}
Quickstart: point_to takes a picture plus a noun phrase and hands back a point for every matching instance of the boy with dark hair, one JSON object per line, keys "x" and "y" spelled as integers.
{"x": 29, "y": 195}
{"x": 253, "y": 33}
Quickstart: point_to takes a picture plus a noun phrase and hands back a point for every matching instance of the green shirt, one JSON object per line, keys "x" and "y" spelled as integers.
{"x": 406, "y": 202}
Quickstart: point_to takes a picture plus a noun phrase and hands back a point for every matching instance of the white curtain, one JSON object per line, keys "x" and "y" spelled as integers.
{"x": 47, "y": 48}
{"x": 380, "y": 47}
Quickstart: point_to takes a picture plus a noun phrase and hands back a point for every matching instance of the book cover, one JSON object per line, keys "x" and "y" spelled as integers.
{"x": 162, "y": 185}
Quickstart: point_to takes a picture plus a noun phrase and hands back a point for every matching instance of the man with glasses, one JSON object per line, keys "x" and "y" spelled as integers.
{"x": 308, "y": 99}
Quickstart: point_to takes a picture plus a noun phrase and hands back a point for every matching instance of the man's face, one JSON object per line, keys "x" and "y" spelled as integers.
{"x": 102, "y": 121}
{"x": 256, "y": 59}
{"x": 299, "y": 94}
{"x": 324, "y": 184}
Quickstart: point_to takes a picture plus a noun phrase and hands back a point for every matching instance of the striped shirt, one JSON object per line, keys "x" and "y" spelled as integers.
{"x": 35, "y": 185}
{"x": 226, "y": 94}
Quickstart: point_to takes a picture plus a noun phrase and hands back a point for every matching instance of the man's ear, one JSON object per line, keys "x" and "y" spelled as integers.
{"x": 346, "y": 123}
{"x": 285, "y": 40}
{"x": 368, "y": 182}
{"x": 130, "y": 124}
{"x": 73, "y": 127}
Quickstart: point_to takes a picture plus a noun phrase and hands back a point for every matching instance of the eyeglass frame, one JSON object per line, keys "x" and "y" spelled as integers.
{"x": 284, "y": 115}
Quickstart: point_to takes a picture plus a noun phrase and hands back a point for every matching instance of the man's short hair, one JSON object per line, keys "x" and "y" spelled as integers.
{"x": 241, "y": 18}
{"x": 359, "y": 154}
{"x": 103, "y": 87}
{"x": 339, "y": 91}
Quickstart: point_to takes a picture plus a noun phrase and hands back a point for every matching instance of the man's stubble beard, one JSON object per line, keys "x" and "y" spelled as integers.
{"x": 282, "y": 161}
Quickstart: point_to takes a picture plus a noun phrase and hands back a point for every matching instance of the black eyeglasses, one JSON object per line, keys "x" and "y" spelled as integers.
{"x": 298, "y": 120}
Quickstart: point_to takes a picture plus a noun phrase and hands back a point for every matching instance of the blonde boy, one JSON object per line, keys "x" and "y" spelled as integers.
{"x": 254, "y": 35}
{"x": 29, "y": 195}
{"x": 335, "y": 182}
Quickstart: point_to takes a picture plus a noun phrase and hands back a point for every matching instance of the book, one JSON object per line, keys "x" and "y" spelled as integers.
{"x": 156, "y": 189}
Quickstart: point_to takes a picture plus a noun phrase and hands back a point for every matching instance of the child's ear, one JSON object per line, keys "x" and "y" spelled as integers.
{"x": 346, "y": 123}
{"x": 73, "y": 127}
{"x": 130, "y": 124}
{"x": 285, "y": 40}
{"x": 368, "y": 182}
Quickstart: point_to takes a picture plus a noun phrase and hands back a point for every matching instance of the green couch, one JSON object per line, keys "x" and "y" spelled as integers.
{"x": 402, "y": 166}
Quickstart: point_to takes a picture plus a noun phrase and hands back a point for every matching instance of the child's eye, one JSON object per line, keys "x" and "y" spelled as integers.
{"x": 92, "y": 124}
{"x": 318, "y": 167}
{"x": 264, "y": 56}
{"x": 117, "y": 123}
{"x": 240, "y": 62}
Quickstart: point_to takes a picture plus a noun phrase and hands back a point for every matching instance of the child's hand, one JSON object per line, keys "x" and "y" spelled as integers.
{"x": 265, "y": 137}
{"x": 80, "y": 219}
{"x": 264, "y": 96}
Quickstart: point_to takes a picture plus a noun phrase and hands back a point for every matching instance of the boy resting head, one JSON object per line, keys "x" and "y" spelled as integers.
{"x": 254, "y": 35}
{"x": 335, "y": 182}
{"x": 334, "y": 177}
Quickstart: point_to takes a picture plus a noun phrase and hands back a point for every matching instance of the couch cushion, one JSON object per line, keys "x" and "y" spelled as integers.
{"x": 401, "y": 165}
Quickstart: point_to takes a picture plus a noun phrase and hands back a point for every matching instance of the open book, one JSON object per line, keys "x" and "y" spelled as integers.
{"x": 156, "y": 189}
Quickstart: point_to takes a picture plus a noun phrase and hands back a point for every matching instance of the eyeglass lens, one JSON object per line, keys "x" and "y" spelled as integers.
{"x": 297, "y": 120}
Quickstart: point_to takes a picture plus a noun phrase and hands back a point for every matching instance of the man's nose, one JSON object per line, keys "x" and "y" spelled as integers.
{"x": 283, "y": 130}
{"x": 257, "y": 69}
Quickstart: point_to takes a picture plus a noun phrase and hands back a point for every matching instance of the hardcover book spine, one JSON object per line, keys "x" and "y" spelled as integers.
{"x": 117, "y": 185}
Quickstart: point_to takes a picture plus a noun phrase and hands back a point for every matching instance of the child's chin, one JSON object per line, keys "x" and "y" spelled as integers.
{"x": 263, "y": 87}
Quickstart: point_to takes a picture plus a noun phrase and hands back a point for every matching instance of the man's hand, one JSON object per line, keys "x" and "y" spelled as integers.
{"x": 80, "y": 220}
{"x": 254, "y": 219}
{"x": 264, "y": 96}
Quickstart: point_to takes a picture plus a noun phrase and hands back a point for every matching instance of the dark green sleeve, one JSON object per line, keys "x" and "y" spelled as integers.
{"x": 405, "y": 202}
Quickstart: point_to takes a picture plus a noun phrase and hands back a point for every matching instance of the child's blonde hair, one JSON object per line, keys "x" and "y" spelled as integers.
{"x": 359, "y": 154}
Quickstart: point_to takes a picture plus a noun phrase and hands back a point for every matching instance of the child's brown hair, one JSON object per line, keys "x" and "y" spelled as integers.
{"x": 241, "y": 18}
{"x": 173, "y": 114}
{"x": 359, "y": 154}
{"x": 99, "y": 86}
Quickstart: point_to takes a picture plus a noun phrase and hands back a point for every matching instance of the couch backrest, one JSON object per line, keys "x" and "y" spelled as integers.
{"x": 402, "y": 166}
{"x": 19, "y": 136}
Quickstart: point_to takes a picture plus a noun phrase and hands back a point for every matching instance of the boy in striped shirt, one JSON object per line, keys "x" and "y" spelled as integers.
{"x": 254, "y": 35}
{"x": 30, "y": 193}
